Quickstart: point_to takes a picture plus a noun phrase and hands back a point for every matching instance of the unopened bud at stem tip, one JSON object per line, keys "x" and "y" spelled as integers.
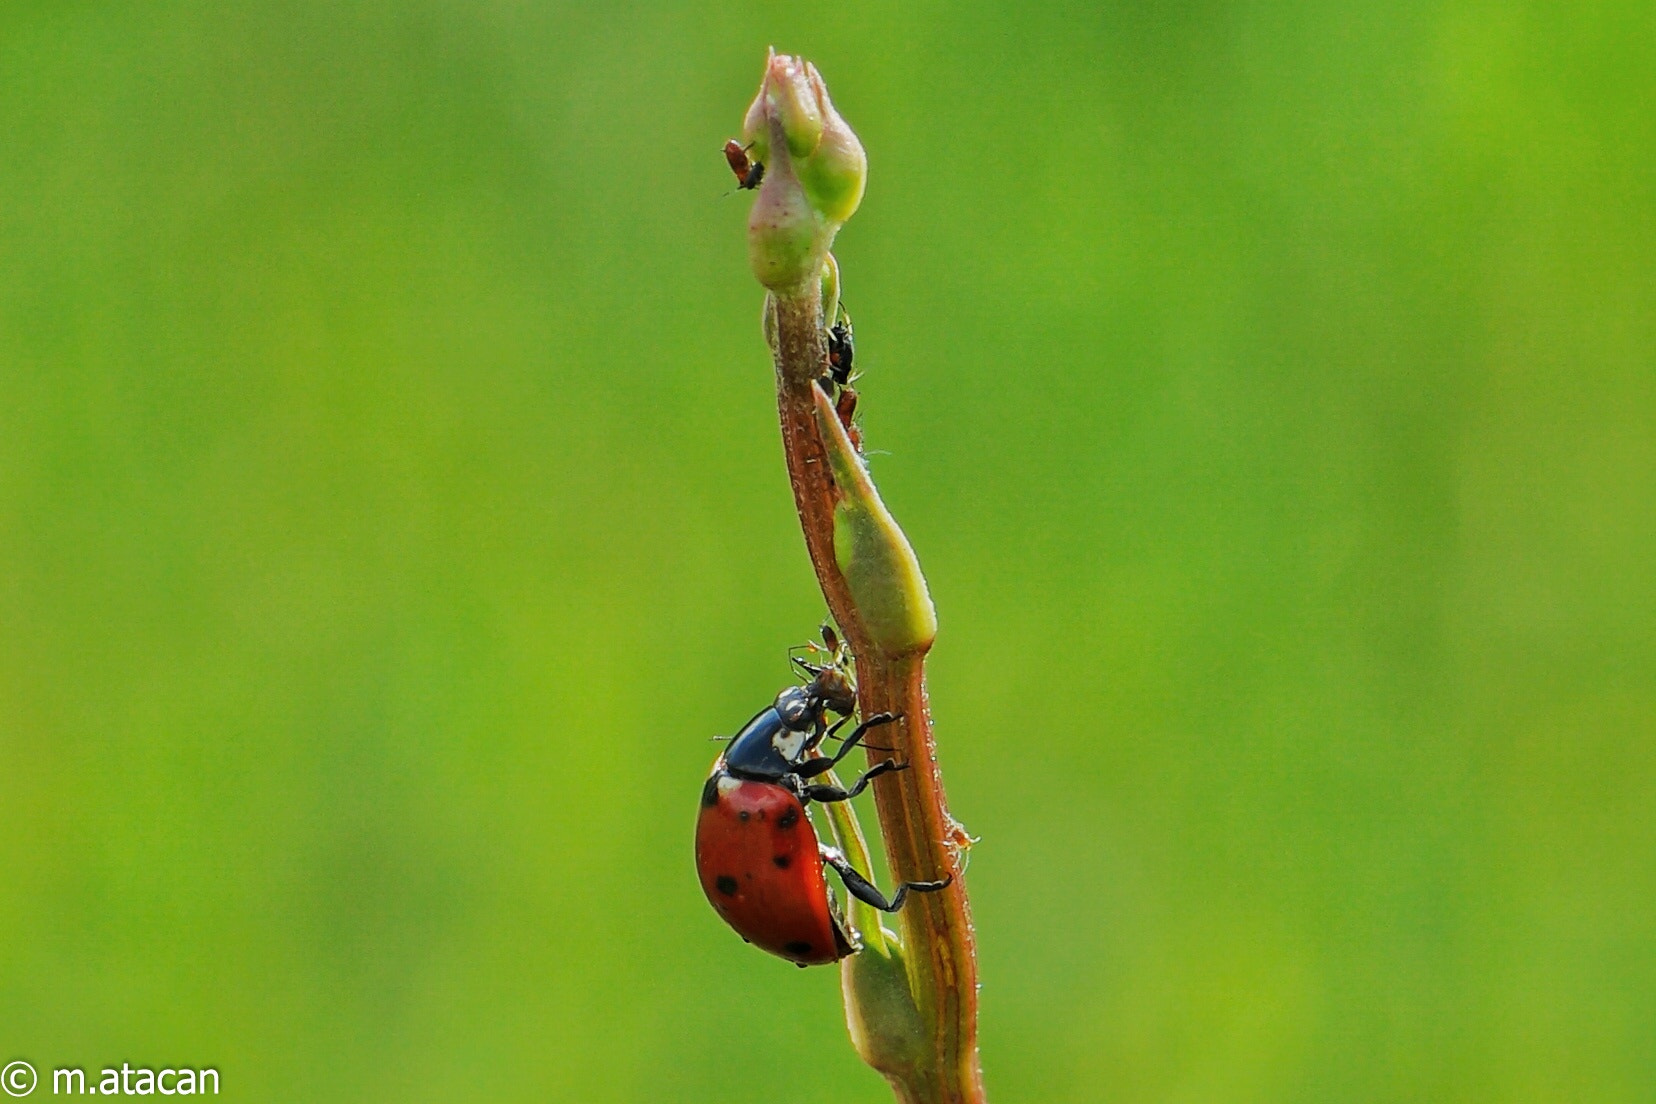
{"x": 815, "y": 173}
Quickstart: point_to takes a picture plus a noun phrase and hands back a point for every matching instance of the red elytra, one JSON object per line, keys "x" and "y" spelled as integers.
{"x": 761, "y": 868}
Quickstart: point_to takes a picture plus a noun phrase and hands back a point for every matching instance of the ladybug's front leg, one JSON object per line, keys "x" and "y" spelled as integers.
{"x": 819, "y": 792}
{"x": 813, "y": 767}
{"x": 832, "y": 733}
{"x": 864, "y": 890}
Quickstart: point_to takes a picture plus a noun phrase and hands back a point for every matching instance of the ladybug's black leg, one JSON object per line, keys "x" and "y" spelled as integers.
{"x": 822, "y": 732}
{"x": 864, "y": 890}
{"x": 818, "y": 792}
{"x": 855, "y": 738}
{"x": 839, "y": 724}
{"x": 813, "y": 767}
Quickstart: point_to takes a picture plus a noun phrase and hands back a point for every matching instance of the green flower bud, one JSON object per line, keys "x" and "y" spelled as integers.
{"x": 880, "y": 1013}
{"x": 878, "y": 563}
{"x": 879, "y": 1007}
{"x": 815, "y": 173}
{"x": 786, "y": 238}
{"x": 837, "y": 171}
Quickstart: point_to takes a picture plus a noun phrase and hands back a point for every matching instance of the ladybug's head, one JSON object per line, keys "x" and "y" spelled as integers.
{"x": 799, "y": 709}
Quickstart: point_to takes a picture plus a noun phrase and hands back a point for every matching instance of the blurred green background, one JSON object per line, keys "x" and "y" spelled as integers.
{"x": 391, "y": 505}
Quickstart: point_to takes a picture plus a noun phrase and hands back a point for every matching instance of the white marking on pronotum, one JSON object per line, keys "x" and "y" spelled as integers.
{"x": 728, "y": 784}
{"x": 789, "y": 744}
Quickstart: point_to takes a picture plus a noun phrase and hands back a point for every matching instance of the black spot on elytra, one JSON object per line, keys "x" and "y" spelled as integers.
{"x": 710, "y": 792}
{"x": 781, "y": 862}
{"x": 788, "y": 819}
{"x": 798, "y": 948}
{"x": 743, "y": 815}
{"x": 727, "y": 885}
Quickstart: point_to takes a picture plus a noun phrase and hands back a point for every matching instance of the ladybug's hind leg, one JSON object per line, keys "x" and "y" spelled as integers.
{"x": 866, "y": 891}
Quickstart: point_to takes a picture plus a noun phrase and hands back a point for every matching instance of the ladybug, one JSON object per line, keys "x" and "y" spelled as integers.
{"x": 748, "y": 173}
{"x": 759, "y": 859}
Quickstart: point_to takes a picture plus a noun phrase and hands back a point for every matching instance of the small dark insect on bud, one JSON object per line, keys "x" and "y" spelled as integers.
{"x": 841, "y": 356}
{"x": 834, "y": 688}
{"x": 748, "y": 172}
{"x": 846, "y": 408}
{"x": 841, "y": 350}
{"x": 831, "y": 683}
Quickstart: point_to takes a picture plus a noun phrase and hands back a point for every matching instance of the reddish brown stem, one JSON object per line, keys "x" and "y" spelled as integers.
{"x": 922, "y": 840}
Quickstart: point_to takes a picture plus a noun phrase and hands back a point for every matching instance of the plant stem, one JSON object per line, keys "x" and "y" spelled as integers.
{"x": 923, "y": 842}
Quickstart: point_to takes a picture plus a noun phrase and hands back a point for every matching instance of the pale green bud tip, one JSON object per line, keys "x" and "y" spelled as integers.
{"x": 789, "y": 85}
{"x": 879, "y": 566}
{"x": 830, "y": 290}
{"x": 815, "y": 173}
